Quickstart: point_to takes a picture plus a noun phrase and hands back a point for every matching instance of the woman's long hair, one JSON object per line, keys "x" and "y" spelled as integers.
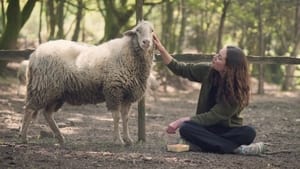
{"x": 234, "y": 87}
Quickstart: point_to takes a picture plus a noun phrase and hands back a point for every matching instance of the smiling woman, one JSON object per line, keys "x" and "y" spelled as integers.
{"x": 217, "y": 126}
{"x": 219, "y": 60}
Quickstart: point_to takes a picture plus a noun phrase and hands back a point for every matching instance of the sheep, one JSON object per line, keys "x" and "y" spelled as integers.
{"x": 21, "y": 74}
{"x": 114, "y": 72}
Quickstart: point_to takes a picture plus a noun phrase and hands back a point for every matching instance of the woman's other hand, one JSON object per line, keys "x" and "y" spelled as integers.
{"x": 172, "y": 127}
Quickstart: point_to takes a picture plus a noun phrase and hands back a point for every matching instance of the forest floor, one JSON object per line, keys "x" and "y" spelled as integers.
{"x": 88, "y": 131}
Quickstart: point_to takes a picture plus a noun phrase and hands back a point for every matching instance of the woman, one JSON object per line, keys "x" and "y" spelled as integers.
{"x": 217, "y": 126}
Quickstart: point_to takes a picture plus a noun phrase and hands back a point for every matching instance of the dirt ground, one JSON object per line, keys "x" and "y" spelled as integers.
{"x": 88, "y": 132}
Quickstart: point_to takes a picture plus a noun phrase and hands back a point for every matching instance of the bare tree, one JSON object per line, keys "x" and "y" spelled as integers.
{"x": 290, "y": 69}
{"x": 60, "y": 19}
{"x": 226, "y": 4}
{"x": 183, "y": 25}
{"x": 79, "y": 15}
{"x": 115, "y": 17}
{"x": 16, "y": 18}
{"x": 40, "y": 22}
{"x": 50, "y": 12}
{"x": 261, "y": 50}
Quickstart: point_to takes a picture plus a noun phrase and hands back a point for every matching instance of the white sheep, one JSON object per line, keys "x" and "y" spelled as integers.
{"x": 114, "y": 72}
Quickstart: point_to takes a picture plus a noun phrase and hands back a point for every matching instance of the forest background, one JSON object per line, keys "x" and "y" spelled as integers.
{"x": 259, "y": 27}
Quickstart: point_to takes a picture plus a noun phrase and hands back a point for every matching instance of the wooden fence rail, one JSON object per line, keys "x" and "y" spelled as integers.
{"x": 251, "y": 59}
{"x": 19, "y": 55}
{"x": 15, "y": 55}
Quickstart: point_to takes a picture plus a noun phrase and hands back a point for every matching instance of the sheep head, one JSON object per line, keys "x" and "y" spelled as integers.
{"x": 143, "y": 30}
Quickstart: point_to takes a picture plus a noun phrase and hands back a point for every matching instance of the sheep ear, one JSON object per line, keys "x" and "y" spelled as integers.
{"x": 129, "y": 33}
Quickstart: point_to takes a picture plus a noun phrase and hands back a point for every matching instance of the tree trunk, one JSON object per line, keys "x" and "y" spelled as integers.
{"x": 183, "y": 26}
{"x": 226, "y": 4}
{"x": 15, "y": 21}
{"x": 111, "y": 28}
{"x": 83, "y": 30}
{"x": 51, "y": 18}
{"x": 40, "y": 22}
{"x": 26, "y": 12}
{"x": 261, "y": 50}
{"x": 115, "y": 18}
{"x": 12, "y": 27}
{"x": 168, "y": 23}
{"x": 139, "y": 10}
{"x": 3, "y": 14}
{"x": 166, "y": 35}
{"x": 288, "y": 83}
{"x": 142, "y": 102}
{"x": 60, "y": 19}
{"x": 78, "y": 20}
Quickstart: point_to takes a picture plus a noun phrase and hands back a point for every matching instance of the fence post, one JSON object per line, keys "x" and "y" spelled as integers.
{"x": 141, "y": 104}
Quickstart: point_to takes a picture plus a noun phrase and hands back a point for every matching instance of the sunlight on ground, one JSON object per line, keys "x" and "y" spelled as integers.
{"x": 70, "y": 130}
{"x": 101, "y": 118}
{"x": 11, "y": 119}
{"x": 286, "y": 94}
{"x": 75, "y": 119}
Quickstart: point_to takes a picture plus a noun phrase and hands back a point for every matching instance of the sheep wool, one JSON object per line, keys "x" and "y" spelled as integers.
{"x": 114, "y": 72}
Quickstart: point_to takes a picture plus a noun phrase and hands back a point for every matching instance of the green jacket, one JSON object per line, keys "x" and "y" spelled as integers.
{"x": 209, "y": 111}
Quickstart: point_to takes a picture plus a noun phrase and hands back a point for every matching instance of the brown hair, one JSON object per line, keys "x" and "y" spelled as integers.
{"x": 234, "y": 87}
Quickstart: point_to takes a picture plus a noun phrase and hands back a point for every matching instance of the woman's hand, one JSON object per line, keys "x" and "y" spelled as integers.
{"x": 172, "y": 127}
{"x": 157, "y": 43}
{"x": 166, "y": 57}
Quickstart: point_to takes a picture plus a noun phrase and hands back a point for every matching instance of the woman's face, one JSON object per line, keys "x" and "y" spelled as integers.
{"x": 219, "y": 61}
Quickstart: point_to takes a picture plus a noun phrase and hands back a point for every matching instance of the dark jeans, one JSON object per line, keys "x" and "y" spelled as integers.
{"x": 217, "y": 138}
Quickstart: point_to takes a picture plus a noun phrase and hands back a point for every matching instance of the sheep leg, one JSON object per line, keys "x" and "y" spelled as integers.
{"x": 25, "y": 124}
{"x": 125, "y": 113}
{"x": 48, "y": 114}
{"x": 116, "y": 118}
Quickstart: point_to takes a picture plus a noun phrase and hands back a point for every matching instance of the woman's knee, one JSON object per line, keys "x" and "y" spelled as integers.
{"x": 250, "y": 133}
{"x": 184, "y": 128}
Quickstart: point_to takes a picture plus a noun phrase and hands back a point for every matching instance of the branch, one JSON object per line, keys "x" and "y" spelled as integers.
{"x": 154, "y": 3}
{"x": 27, "y": 11}
{"x": 84, "y": 7}
{"x": 101, "y": 10}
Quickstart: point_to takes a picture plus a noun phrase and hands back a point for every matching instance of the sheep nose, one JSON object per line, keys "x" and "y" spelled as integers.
{"x": 146, "y": 42}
